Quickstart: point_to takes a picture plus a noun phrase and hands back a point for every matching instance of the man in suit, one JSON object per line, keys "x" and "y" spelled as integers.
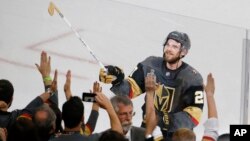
{"x": 124, "y": 109}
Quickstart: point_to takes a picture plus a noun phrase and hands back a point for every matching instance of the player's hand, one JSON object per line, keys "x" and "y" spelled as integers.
{"x": 113, "y": 75}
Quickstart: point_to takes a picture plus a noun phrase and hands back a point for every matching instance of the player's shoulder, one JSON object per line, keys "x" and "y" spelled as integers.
{"x": 189, "y": 69}
{"x": 191, "y": 73}
{"x": 152, "y": 62}
{"x": 153, "y": 59}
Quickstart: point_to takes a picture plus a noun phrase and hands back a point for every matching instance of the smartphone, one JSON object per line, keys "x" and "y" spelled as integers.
{"x": 88, "y": 97}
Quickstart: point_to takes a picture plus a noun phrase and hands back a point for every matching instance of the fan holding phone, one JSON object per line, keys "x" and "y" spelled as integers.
{"x": 91, "y": 123}
{"x": 88, "y": 97}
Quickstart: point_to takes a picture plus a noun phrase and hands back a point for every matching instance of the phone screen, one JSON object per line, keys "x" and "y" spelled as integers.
{"x": 88, "y": 97}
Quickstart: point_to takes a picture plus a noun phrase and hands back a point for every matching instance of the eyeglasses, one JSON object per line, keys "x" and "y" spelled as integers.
{"x": 130, "y": 114}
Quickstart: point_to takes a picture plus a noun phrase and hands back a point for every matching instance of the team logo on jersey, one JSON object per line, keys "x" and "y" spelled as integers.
{"x": 163, "y": 101}
{"x": 164, "y": 98}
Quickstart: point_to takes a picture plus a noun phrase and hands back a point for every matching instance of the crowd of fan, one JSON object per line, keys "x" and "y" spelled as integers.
{"x": 41, "y": 119}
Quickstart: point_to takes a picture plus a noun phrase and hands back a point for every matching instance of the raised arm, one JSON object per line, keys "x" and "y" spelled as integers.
{"x": 45, "y": 69}
{"x": 209, "y": 89}
{"x": 96, "y": 88}
{"x": 67, "y": 86}
{"x": 211, "y": 124}
{"x": 131, "y": 86}
{"x": 151, "y": 118}
{"x": 89, "y": 127}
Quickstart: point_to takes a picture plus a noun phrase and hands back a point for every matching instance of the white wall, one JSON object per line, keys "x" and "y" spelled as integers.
{"x": 229, "y": 12}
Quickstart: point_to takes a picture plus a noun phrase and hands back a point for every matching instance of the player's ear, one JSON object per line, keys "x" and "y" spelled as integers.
{"x": 183, "y": 52}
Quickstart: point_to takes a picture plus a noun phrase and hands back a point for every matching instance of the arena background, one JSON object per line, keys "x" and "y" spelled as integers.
{"x": 123, "y": 33}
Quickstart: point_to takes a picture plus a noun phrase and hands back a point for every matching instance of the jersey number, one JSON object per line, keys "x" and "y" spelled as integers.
{"x": 199, "y": 97}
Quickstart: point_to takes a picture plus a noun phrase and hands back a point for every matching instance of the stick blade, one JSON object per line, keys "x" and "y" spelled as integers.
{"x": 51, "y": 8}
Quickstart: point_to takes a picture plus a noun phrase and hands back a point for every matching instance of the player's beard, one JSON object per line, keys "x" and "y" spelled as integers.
{"x": 126, "y": 126}
{"x": 172, "y": 60}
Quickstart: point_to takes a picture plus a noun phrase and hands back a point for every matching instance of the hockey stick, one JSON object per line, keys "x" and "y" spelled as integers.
{"x": 51, "y": 9}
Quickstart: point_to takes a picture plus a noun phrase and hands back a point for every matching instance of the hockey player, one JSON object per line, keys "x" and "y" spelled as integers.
{"x": 179, "y": 98}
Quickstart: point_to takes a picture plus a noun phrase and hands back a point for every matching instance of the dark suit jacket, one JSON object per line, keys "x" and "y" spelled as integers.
{"x": 137, "y": 133}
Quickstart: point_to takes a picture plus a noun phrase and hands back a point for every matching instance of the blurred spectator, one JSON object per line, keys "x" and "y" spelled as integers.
{"x": 45, "y": 121}
{"x": 184, "y": 134}
{"x": 89, "y": 127}
{"x": 23, "y": 129}
{"x": 125, "y": 111}
{"x": 111, "y": 135}
{"x": 73, "y": 114}
{"x": 7, "y": 118}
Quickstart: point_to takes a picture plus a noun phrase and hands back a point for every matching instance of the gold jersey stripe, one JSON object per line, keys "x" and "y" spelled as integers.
{"x": 136, "y": 90}
{"x": 195, "y": 113}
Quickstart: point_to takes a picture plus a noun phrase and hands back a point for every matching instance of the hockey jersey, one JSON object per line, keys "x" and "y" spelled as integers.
{"x": 178, "y": 100}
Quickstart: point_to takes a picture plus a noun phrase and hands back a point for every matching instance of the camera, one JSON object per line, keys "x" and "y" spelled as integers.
{"x": 88, "y": 97}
